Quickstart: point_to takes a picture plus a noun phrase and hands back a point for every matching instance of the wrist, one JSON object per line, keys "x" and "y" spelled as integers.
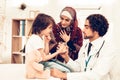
{"x": 67, "y": 58}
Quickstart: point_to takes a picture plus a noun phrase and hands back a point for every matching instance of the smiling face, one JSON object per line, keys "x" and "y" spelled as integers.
{"x": 65, "y": 21}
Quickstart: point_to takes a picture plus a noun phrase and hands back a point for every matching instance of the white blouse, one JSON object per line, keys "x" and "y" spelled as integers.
{"x": 34, "y": 43}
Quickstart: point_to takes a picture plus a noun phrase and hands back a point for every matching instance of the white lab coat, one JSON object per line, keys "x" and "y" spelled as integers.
{"x": 99, "y": 68}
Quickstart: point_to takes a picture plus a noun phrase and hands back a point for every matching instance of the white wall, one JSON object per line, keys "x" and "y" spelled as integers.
{"x": 53, "y": 8}
{"x": 116, "y": 20}
{"x": 113, "y": 14}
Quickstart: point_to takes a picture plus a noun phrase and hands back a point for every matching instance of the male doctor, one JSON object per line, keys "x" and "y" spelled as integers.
{"x": 96, "y": 62}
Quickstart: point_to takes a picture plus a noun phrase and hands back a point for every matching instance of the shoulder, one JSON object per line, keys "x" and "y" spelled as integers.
{"x": 34, "y": 37}
{"x": 34, "y": 40}
{"x": 56, "y": 28}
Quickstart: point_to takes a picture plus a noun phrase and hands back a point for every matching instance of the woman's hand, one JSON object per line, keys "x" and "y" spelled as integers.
{"x": 64, "y": 36}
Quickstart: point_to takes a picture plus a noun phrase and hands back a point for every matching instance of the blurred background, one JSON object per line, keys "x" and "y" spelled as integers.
{"x": 15, "y": 10}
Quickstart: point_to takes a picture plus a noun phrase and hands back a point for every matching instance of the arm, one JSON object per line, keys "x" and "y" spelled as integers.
{"x": 52, "y": 43}
{"x": 46, "y": 39}
{"x": 99, "y": 71}
{"x": 61, "y": 49}
{"x": 49, "y": 56}
{"x": 46, "y": 49}
{"x": 73, "y": 65}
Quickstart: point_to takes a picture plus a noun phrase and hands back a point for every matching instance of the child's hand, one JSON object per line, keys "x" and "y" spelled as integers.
{"x": 46, "y": 38}
{"x": 63, "y": 51}
{"x": 62, "y": 48}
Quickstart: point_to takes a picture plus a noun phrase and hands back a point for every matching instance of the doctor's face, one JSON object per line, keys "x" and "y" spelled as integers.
{"x": 87, "y": 31}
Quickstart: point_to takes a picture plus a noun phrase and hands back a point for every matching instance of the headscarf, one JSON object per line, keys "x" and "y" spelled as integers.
{"x": 71, "y": 13}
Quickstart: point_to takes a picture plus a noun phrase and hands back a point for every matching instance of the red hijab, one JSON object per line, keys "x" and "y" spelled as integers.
{"x": 73, "y": 25}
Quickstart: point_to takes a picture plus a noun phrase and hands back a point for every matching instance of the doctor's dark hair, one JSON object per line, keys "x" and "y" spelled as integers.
{"x": 98, "y": 23}
{"x": 41, "y": 22}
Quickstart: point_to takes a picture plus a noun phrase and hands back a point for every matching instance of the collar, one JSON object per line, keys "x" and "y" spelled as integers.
{"x": 96, "y": 44}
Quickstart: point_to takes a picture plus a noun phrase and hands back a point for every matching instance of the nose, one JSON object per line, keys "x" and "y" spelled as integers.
{"x": 50, "y": 30}
{"x": 63, "y": 22}
{"x": 83, "y": 30}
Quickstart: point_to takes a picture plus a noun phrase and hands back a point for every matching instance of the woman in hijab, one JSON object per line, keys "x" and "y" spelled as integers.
{"x": 67, "y": 31}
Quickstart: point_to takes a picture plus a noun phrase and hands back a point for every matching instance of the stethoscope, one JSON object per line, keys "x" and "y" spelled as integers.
{"x": 97, "y": 55}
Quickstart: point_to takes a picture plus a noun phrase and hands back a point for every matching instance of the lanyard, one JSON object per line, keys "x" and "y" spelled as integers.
{"x": 87, "y": 61}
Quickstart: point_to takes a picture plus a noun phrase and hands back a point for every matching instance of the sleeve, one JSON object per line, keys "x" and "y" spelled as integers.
{"x": 74, "y": 65}
{"x": 34, "y": 42}
{"x": 70, "y": 44}
{"x": 82, "y": 76}
{"x": 37, "y": 42}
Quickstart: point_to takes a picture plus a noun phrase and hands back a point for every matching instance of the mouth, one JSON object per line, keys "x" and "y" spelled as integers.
{"x": 63, "y": 25}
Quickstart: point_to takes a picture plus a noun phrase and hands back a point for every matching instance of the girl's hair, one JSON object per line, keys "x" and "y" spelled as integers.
{"x": 98, "y": 23}
{"x": 41, "y": 22}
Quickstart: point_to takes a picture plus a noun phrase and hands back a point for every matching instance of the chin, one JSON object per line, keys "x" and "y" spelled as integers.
{"x": 85, "y": 37}
{"x": 64, "y": 26}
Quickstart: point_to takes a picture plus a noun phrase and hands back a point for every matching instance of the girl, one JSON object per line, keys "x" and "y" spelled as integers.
{"x": 39, "y": 40}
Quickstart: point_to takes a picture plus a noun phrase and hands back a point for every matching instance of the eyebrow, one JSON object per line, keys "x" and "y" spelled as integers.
{"x": 87, "y": 25}
{"x": 65, "y": 18}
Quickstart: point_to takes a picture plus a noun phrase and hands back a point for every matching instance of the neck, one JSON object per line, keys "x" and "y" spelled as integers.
{"x": 94, "y": 38}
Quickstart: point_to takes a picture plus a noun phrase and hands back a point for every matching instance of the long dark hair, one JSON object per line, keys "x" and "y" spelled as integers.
{"x": 41, "y": 22}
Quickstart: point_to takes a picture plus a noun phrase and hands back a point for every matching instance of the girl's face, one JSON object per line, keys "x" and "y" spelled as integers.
{"x": 47, "y": 31}
{"x": 65, "y": 21}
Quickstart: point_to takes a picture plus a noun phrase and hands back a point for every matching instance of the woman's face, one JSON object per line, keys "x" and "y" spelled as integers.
{"x": 65, "y": 21}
